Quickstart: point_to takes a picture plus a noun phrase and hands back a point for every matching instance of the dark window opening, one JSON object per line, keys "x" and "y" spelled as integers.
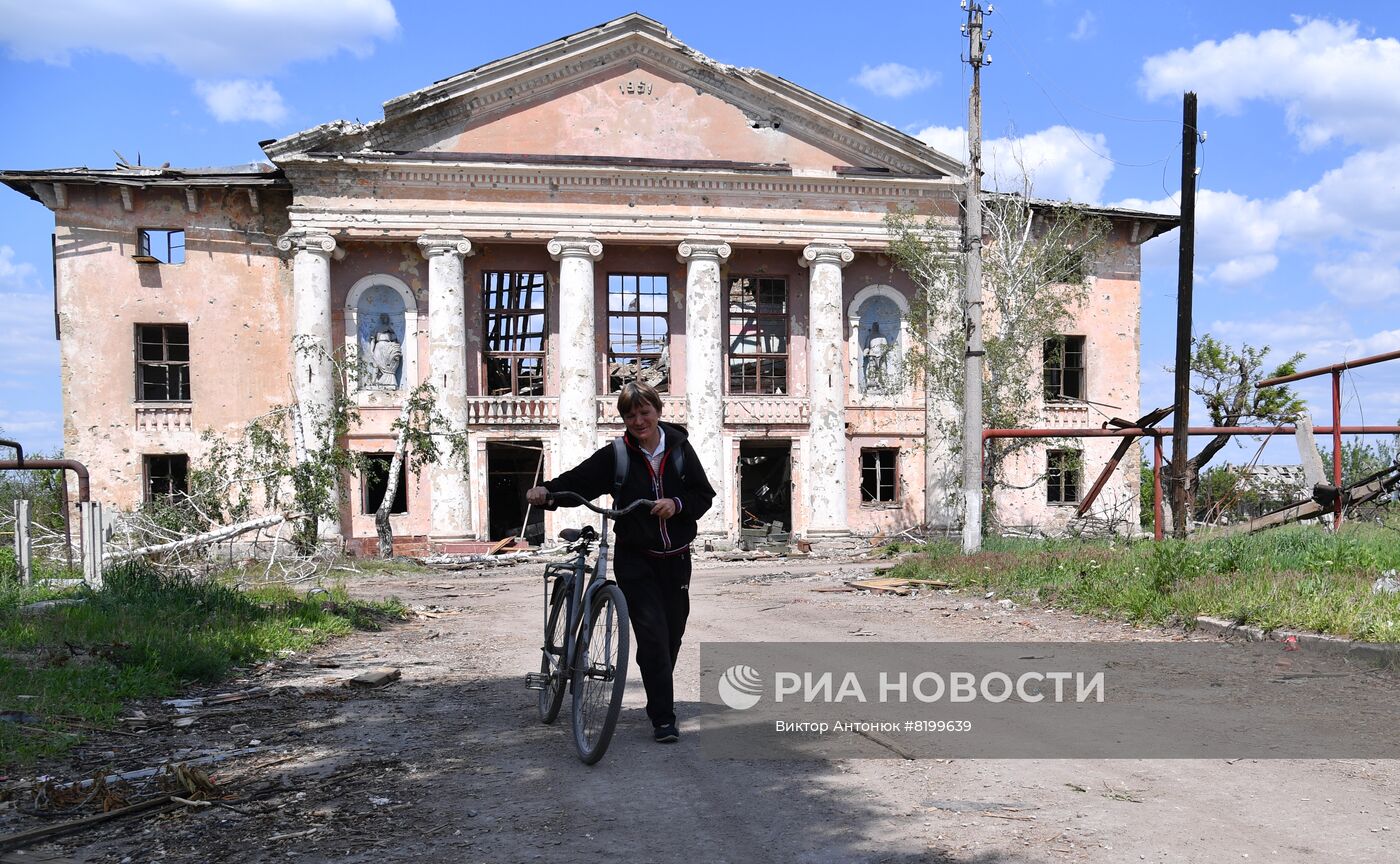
{"x": 160, "y": 246}
{"x": 167, "y": 477}
{"x": 878, "y": 475}
{"x": 1062, "y": 476}
{"x": 765, "y": 492}
{"x": 1064, "y": 368}
{"x": 514, "y": 306}
{"x": 512, "y": 468}
{"x": 758, "y": 335}
{"x": 162, "y": 363}
{"x": 638, "y": 331}
{"x": 374, "y": 482}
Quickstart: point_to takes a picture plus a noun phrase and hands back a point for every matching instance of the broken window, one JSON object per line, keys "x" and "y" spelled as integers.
{"x": 167, "y": 477}
{"x": 1062, "y": 476}
{"x": 638, "y": 331}
{"x": 160, "y": 246}
{"x": 514, "y": 304}
{"x": 878, "y": 475}
{"x": 162, "y": 363}
{"x": 374, "y": 482}
{"x": 1064, "y": 368}
{"x": 758, "y": 335}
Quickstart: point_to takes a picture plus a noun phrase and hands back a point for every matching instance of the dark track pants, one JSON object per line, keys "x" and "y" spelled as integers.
{"x": 658, "y": 603}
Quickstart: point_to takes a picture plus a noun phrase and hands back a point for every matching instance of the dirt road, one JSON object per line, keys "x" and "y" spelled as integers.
{"x": 450, "y": 762}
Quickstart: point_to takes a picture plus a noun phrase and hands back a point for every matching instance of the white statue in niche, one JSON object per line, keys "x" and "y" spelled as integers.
{"x": 879, "y": 363}
{"x": 385, "y": 355}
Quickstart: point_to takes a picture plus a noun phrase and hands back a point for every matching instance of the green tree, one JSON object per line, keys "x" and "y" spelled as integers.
{"x": 271, "y": 468}
{"x": 1036, "y": 264}
{"x": 1226, "y": 380}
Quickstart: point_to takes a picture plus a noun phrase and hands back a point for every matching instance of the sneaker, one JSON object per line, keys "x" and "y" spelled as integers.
{"x": 667, "y": 734}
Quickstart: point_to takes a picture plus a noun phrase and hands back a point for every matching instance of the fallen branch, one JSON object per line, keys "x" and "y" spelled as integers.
{"x": 160, "y": 803}
{"x": 218, "y": 535}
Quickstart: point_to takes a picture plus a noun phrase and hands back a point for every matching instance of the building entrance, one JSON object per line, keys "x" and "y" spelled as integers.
{"x": 765, "y": 491}
{"x": 512, "y": 467}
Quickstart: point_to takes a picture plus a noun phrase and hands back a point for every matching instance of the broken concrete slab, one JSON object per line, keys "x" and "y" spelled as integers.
{"x": 375, "y": 678}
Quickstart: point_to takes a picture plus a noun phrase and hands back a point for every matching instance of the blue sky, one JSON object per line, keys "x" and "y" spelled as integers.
{"x": 1300, "y": 217}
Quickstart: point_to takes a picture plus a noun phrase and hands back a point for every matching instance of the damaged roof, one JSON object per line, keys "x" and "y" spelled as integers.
{"x": 251, "y": 174}
{"x": 502, "y": 85}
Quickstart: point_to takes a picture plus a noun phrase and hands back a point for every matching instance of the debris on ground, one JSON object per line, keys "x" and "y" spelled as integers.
{"x": 1387, "y": 584}
{"x": 882, "y": 585}
{"x": 767, "y": 536}
{"x": 376, "y": 678}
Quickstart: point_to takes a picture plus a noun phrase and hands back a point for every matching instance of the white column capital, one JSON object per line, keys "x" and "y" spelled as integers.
{"x": 703, "y": 249}
{"x": 304, "y": 240}
{"x": 575, "y": 246}
{"x": 827, "y": 252}
{"x": 444, "y": 243}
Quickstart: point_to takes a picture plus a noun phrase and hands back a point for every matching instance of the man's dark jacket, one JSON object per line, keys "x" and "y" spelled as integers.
{"x": 640, "y": 530}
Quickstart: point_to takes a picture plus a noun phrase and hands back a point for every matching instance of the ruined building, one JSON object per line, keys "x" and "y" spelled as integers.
{"x": 526, "y": 235}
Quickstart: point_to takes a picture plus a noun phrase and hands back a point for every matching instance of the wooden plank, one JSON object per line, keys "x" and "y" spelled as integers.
{"x": 501, "y": 545}
{"x": 885, "y": 585}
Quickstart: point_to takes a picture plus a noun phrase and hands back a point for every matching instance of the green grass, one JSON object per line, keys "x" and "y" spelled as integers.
{"x": 1299, "y": 577}
{"x": 146, "y": 635}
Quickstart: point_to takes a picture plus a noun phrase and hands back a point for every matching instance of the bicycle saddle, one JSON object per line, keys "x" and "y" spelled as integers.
{"x": 569, "y": 535}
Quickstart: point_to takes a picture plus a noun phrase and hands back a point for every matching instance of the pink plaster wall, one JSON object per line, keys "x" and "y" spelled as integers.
{"x": 612, "y": 113}
{"x": 1110, "y": 319}
{"x": 404, "y": 262}
{"x": 233, "y": 291}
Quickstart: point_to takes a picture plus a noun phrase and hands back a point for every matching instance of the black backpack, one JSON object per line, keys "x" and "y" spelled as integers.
{"x": 621, "y": 461}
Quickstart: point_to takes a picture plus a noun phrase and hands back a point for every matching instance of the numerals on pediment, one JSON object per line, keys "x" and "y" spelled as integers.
{"x": 635, "y": 87}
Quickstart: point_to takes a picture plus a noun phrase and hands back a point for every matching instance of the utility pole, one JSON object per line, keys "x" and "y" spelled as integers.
{"x": 972, "y": 294}
{"x": 1181, "y": 510}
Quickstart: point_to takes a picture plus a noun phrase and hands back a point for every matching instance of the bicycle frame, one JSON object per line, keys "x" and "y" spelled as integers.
{"x": 579, "y": 603}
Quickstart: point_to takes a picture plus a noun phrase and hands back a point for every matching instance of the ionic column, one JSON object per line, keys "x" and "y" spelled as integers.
{"x": 704, "y": 366}
{"x": 826, "y": 388}
{"x": 578, "y": 365}
{"x": 313, "y": 372}
{"x": 447, "y": 361}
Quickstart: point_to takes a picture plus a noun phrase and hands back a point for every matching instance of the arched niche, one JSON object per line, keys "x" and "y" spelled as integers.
{"x": 878, "y": 318}
{"x": 380, "y": 309}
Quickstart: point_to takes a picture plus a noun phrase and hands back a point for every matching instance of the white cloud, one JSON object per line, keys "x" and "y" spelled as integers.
{"x": 27, "y": 425}
{"x": 26, "y": 327}
{"x": 1086, "y": 28}
{"x": 16, "y": 276}
{"x": 895, "y": 80}
{"x": 1362, "y": 278}
{"x": 210, "y": 38}
{"x": 241, "y": 99}
{"x": 1059, "y": 162}
{"x": 1330, "y": 82}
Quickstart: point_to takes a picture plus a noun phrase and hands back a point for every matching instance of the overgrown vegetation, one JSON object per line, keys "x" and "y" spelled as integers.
{"x": 1037, "y": 260}
{"x": 1299, "y": 576}
{"x": 146, "y": 633}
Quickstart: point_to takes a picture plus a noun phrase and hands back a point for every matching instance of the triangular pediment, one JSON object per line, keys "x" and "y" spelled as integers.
{"x": 628, "y": 89}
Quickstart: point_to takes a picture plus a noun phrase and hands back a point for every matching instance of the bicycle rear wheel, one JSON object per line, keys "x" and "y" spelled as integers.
{"x": 600, "y": 673}
{"x": 552, "y": 696}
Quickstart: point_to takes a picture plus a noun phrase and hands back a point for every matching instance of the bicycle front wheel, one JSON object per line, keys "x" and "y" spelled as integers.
{"x": 600, "y": 673}
{"x": 552, "y": 657}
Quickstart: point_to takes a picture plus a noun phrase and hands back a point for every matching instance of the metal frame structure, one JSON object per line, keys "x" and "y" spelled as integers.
{"x": 1158, "y": 434}
{"x": 1335, "y": 370}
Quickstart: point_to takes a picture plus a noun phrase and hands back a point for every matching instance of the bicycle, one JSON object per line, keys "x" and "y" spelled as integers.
{"x": 591, "y": 660}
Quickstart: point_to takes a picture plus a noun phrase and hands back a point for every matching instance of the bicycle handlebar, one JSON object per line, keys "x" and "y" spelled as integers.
{"x": 606, "y": 511}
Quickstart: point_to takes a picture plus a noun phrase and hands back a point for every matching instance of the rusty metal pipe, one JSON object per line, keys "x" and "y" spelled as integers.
{"x": 19, "y": 450}
{"x": 1337, "y": 445}
{"x": 1334, "y": 369}
{"x": 1157, "y": 487}
{"x": 78, "y": 468}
